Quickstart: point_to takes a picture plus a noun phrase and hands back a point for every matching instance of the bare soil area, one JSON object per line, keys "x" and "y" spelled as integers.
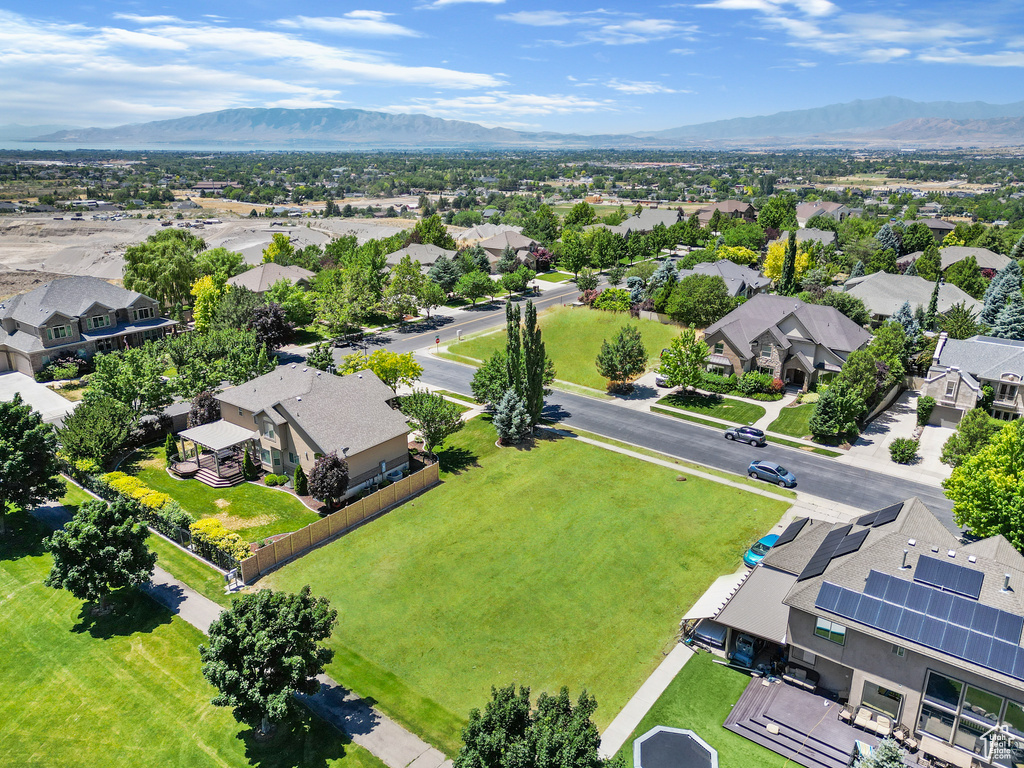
{"x": 20, "y": 281}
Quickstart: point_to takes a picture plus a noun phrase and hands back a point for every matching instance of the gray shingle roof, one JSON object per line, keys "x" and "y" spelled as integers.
{"x": 737, "y": 277}
{"x": 826, "y": 325}
{"x": 983, "y": 356}
{"x": 70, "y": 296}
{"x": 504, "y": 239}
{"x": 883, "y": 294}
{"x": 426, "y": 255}
{"x": 950, "y": 255}
{"x": 812, "y": 235}
{"x": 259, "y": 279}
{"x": 336, "y": 412}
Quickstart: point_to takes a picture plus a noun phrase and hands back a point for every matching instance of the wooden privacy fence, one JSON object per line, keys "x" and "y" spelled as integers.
{"x": 298, "y": 543}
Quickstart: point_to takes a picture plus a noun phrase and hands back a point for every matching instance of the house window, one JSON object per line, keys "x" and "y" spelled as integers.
{"x": 1006, "y": 392}
{"x": 950, "y": 388}
{"x": 831, "y": 631}
{"x": 265, "y": 455}
{"x": 882, "y": 700}
{"x": 143, "y": 313}
{"x": 719, "y": 347}
{"x": 104, "y": 345}
{"x": 292, "y": 458}
{"x": 804, "y": 657}
{"x": 767, "y": 370}
{"x": 1003, "y": 415}
{"x": 899, "y": 650}
{"x": 100, "y": 321}
{"x": 766, "y": 351}
{"x": 59, "y": 332}
{"x": 239, "y": 411}
{"x": 268, "y": 429}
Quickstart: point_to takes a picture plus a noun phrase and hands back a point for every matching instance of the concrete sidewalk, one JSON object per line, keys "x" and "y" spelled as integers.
{"x": 368, "y": 727}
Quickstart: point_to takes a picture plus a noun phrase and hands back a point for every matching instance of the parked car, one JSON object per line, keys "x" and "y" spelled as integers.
{"x": 761, "y": 547}
{"x": 772, "y": 472}
{"x": 660, "y": 380}
{"x": 751, "y": 435}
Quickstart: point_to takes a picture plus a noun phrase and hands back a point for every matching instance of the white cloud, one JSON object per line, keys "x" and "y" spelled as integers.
{"x": 639, "y": 88}
{"x": 596, "y": 27}
{"x": 140, "y": 39}
{"x": 442, "y": 3}
{"x": 956, "y": 56}
{"x": 538, "y": 18}
{"x": 634, "y": 31}
{"x": 371, "y": 23}
{"x": 138, "y": 19}
{"x": 683, "y": 51}
{"x": 502, "y": 103}
{"x": 883, "y": 55}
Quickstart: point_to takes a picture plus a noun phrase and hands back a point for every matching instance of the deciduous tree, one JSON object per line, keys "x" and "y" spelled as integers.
{"x": 432, "y": 416}
{"x": 328, "y": 481}
{"x": 836, "y": 413}
{"x": 264, "y": 649}
{"x": 205, "y": 409}
{"x": 29, "y": 471}
{"x": 685, "y": 361}
{"x": 270, "y": 325}
{"x": 97, "y": 429}
{"x": 623, "y": 359}
{"x": 133, "y": 377}
{"x": 474, "y": 285}
{"x": 101, "y": 549}
{"x": 973, "y": 433}
{"x": 393, "y": 368}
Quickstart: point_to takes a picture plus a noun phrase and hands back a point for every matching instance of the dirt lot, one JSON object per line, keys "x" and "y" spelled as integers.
{"x": 14, "y": 282}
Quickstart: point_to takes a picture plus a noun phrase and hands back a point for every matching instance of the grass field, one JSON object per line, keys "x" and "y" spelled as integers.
{"x": 716, "y": 406}
{"x": 573, "y": 338}
{"x": 456, "y": 396}
{"x": 554, "y": 277}
{"x": 251, "y": 510}
{"x": 124, "y": 689}
{"x": 509, "y": 571}
{"x": 699, "y": 699}
{"x": 794, "y": 421}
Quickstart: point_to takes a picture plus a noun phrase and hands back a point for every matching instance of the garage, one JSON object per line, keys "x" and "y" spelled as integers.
{"x": 945, "y": 416}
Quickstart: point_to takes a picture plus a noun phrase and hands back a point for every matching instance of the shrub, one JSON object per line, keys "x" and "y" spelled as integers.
{"x": 300, "y": 483}
{"x": 588, "y": 297}
{"x": 778, "y": 385}
{"x": 248, "y": 466}
{"x": 210, "y": 536}
{"x": 270, "y": 480}
{"x": 87, "y": 466}
{"x": 766, "y": 397}
{"x": 713, "y": 382}
{"x": 170, "y": 448}
{"x": 752, "y": 382}
{"x": 613, "y": 300}
{"x": 809, "y": 397}
{"x": 925, "y": 405}
{"x": 903, "y": 450}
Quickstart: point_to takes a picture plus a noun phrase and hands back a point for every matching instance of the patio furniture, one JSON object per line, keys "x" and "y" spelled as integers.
{"x": 846, "y": 715}
{"x": 882, "y": 726}
{"x": 863, "y": 718}
{"x": 800, "y": 677}
{"x": 904, "y": 737}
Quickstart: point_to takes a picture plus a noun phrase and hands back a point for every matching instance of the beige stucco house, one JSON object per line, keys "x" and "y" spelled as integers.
{"x": 961, "y": 368}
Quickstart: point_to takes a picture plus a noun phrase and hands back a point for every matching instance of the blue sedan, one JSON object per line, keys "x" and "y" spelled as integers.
{"x": 761, "y": 547}
{"x": 772, "y": 472}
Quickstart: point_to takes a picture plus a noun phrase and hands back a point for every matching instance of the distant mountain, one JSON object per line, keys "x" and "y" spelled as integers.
{"x": 15, "y": 132}
{"x": 860, "y": 115}
{"x": 324, "y": 128}
{"x": 993, "y": 131}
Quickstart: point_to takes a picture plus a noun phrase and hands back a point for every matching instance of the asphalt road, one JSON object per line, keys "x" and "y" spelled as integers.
{"x": 816, "y": 475}
{"x": 479, "y": 318}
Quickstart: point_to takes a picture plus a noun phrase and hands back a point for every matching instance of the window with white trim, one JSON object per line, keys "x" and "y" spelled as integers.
{"x": 58, "y": 332}
{"x": 142, "y": 313}
{"x": 899, "y": 650}
{"x": 719, "y": 347}
{"x": 268, "y": 429}
{"x": 830, "y": 631}
{"x": 100, "y": 321}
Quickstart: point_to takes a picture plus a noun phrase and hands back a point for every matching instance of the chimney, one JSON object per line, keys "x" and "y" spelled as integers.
{"x": 943, "y": 338}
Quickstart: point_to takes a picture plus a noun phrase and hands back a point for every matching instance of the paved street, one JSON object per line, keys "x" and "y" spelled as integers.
{"x": 816, "y": 475}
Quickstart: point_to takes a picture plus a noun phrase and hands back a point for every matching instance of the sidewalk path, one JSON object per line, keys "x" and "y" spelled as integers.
{"x": 373, "y": 731}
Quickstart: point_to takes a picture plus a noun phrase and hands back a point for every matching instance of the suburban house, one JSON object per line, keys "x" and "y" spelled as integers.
{"x": 961, "y": 367}
{"x": 785, "y": 338}
{"x": 892, "y": 615}
{"x": 524, "y": 247}
{"x": 74, "y": 315}
{"x": 731, "y": 209}
{"x": 883, "y": 294}
{"x": 739, "y": 280}
{"x": 645, "y": 221}
{"x": 426, "y": 255}
{"x": 480, "y": 232}
{"x": 939, "y": 228}
{"x": 812, "y": 235}
{"x": 260, "y": 278}
{"x": 807, "y": 211}
{"x": 295, "y": 414}
{"x": 951, "y": 254}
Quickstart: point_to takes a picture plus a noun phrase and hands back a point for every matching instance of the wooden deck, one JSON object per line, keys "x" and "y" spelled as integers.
{"x": 206, "y": 471}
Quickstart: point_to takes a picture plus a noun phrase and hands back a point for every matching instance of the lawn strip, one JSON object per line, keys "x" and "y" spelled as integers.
{"x": 716, "y": 406}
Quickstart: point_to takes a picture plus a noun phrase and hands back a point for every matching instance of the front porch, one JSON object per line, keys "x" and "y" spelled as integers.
{"x": 799, "y": 725}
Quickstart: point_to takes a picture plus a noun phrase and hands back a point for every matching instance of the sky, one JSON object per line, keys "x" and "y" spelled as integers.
{"x": 554, "y": 66}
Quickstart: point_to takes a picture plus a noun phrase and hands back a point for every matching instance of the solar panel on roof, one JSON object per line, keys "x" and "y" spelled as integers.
{"x": 896, "y": 591}
{"x": 984, "y": 619}
{"x": 850, "y": 543}
{"x": 909, "y": 625}
{"x": 949, "y": 576}
{"x": 939, "y": 604}
{"x": 961, "y": 612}
{"x": 867, "y": 519}
{"x": 875, "y": 585}
{"x": 954, "y": 640}
{"x": 1002, "y": 655}
{"x": 979, "y": 646}
{"x": 889, "y": 617}
{"x": 1009, "y": 627}
{"x": 918, "y": 597}
{"x": 823, "y": 555}
{"x": 828, "y": 596}
{"x": 887, "y": 515}
{"x": 791, "y": 531}
{"x": 848, "y": 603}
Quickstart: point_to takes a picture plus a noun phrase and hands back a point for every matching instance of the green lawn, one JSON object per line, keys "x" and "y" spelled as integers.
{"x": 525, "y": 566}
{"x": 771, "y": 438}
{"x": 554, "y": 277}
{"x": 699, "y": 699}
{"x": 456, "y": 396}
{"x": 573, "y": 338}
{"x": 716, "y": 406}
{"x": 122, "y": 690}
{"x": 794, "y": 421}
{"x": 253, "y": 511}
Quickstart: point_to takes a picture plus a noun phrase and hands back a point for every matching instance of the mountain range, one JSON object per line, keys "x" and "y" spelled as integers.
{"x": 888, "y": 121}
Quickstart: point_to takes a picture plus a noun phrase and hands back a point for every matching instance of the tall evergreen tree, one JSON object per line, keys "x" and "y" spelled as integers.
{"x": 857, "y": 271}
{"x": 787, "y": 282}
{"x": 929, "y": 264}
{"x": 933, "y": 305}
{"x": 511, "y": 421}
{"x": 1010, "y": 323}
{"x": 514, "y": 349}
{"x": 911, "y": 270}
{"x": 445, "y": 272}
{"x": 1017, "y": 252}
{"x": 535, "y": 363}
{"x": 905, "y": 317}
{"x": 994, "y": 299}
{"x": 888, "y": 239}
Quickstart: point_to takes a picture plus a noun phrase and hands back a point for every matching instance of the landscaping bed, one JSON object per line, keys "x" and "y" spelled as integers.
{"x": 507, "y": 572}
{"x": 573, "y": 337}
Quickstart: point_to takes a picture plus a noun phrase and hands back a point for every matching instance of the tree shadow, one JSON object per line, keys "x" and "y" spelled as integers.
{"x": 487, "y": 306}
{"x": 555, "y": 412}
{"x": 638, "y": 392}
{"x": 131, "y": 612}
{"x": 300, "y": 741}
{"x": 683, "y": 399}
{"x": 455, "y": 460}
{"x": 24, "y": 537}
{"x": 429, "y": 324}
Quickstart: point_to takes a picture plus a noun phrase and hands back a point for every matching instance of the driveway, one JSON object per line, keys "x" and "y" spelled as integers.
{"x": 40, "y": 397}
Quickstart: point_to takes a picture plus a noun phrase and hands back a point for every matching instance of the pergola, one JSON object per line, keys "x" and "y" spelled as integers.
{"x": 217, "y": 437}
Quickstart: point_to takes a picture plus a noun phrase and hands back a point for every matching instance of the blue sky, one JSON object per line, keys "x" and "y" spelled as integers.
{"x": 564, "y": 66}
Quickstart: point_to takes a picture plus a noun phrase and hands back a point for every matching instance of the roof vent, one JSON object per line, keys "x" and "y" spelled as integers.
{"x": 935, "y": 549}
{"x": 905, "y": 553}
{"x": 305, "y": 369}
{"x": 912, "y": 542}
{"x": 293, "y": 365}
{"x": 298, "y": 399}
{"x": 951, "y": 553}
{"x": 972, "y": 559}
{"x": 1006, "y": 583}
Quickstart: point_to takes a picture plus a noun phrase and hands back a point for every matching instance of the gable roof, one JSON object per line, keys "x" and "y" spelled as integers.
{"x": 426, "y": 255}
{"x": 260, "y": 278}
{"x": 951, "y": 254}
{"x": 648, "y": 218}
{"x": 68, "y": 296}
{"x": 812, "y": 235}
{"x": 737, "y": 277}
{"x": 483, "y": 231}
{"x": 335, "y": 412}
{"x": 883, "y": 294}
{"x": 503, "y": 240}
{"x": 983, "y": 356}
{"x": 825, "y": 325}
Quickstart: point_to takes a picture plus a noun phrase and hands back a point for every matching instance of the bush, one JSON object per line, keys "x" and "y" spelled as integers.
{"x": 589, "y": 297}
{"x": 925, "y": 405}
{"x": 903, "y": 450}
{"x": 808, "y": 397}
{"x": 249, "y": 470}
{"x": 170, "y": 448}
{"x": 272, "y": 480}
{"x": 87, "y": 466}
{"x": 300, "y": 482}
{"x": 613, "y": 300}
{"x": 210, "y": 536}
{"x": 766, "y": 397}
{"x": 157, "y": 509}
{"x": 752, "y": 383}
{"x": 713, "y": 382}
